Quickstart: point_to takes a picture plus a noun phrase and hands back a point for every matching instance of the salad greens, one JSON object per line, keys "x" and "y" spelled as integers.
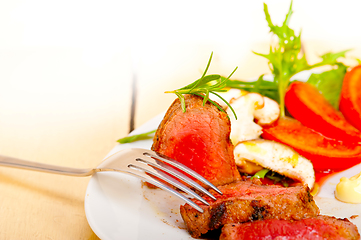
{"x": 274, "y": 176}
{"x": 285, "y": 60}
{"x": 202, "y": 87}
{"x": 329, "y": 83}
{"x": 261, "y": 174}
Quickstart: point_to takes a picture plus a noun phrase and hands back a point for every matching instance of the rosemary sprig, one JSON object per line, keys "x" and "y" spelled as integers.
{"x": 207, "y": 84}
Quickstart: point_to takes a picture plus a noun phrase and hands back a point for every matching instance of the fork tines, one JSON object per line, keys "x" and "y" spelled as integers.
{"x": 163, "y": 169}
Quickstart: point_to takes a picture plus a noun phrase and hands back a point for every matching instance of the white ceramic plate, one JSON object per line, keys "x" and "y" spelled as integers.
{"x": 117, "y": 206}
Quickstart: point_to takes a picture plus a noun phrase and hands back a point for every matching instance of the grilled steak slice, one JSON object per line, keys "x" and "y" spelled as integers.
{"x": 245, "y": 201}
{"x": 198, "y": 138}
{"x": 320, "y": 227}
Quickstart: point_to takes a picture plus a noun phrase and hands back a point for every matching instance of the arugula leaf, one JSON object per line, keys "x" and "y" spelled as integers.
{"x": 136, "y": 137}
{"x": 330, "y": 58}
{"x": 287, "y": 59}
{"x": 329, "y": 83}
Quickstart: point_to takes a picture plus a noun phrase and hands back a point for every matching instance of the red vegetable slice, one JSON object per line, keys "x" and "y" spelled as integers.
{"x": 350, "y": 100}
{"x": 307, "y": 105}
{"x": 325, "y": 153}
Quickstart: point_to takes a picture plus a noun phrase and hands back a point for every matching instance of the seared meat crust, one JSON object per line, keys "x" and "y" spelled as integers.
{"x": 245, "y": 201}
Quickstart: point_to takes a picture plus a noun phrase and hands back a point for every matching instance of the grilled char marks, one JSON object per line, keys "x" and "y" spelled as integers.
{"x": 217, "y": 215}
{"x": 245, "y": 201}
{"x": 260, "y": 212}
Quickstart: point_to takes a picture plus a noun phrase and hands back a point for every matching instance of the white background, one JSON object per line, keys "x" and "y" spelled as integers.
{"x": 75, "y": 56}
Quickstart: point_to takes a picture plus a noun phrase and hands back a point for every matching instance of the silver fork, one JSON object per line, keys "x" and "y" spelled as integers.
{"x": 145, "y": 164}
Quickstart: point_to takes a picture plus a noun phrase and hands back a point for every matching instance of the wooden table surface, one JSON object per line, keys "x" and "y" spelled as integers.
{"x": 66, "y": 103}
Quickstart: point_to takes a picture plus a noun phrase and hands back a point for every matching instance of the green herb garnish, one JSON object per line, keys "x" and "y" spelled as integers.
{"x": 136, "y": 137}
{"x": 261, "y": 174}
{"x": 276, "y": 177}
{"x": 204, "y": 86}
{"x": 261, "y": 86}
{"x": 285, "y": 60}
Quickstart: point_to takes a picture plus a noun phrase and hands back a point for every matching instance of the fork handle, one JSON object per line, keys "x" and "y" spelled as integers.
{"x": 42, "y": 167}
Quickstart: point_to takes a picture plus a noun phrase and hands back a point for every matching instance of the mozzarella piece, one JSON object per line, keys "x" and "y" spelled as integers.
{"x": 276, "y": 157}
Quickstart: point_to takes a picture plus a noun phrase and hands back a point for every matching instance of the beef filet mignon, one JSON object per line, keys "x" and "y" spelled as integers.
{"x": 199, "y": 138}
{"x": 320, "y": 227}
{"x": 244, "y": 201}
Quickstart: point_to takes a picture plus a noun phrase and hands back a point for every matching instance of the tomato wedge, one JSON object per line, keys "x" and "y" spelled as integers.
{"x": 350, "y": 100}
{"x": 306, "y": 104}
{"x": 325, "y": 153}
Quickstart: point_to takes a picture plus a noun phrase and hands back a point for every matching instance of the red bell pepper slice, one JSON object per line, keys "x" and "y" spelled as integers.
{"x": 324, "y": 153}
{"x": 306, "y": 104}
{"x": 350, "y": 100}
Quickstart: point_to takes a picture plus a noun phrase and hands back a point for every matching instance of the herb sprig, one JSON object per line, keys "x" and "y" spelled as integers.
{"x": 204, "y": 86}
{"x": 285, "y": 60}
